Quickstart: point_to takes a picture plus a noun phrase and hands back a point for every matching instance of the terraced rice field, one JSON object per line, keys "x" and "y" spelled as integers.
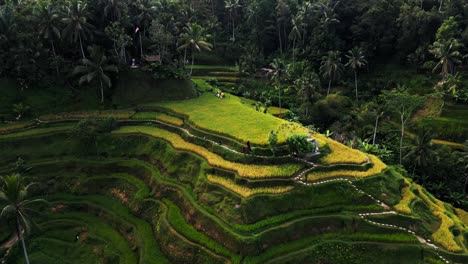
{"x": 145, "y": 194}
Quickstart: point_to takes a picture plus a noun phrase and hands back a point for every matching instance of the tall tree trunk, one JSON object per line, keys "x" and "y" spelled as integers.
{"x": 466, "y": 184}
{"x": 329, "y": 86}
{"x": 279, "y": 97}
{"x": 233, "y": 30}
{"x": 141, "y": 46}
{"x": 81, "y": 46}
{"x": 401, "y": 137}
{"x": 55, "y": 57}
{"x": 280, "y": 38}
{"x": 375, "y": 129}
{"x": 355, "y": 84}
{"x": 286, "y": 42}
{"x": 191, "y": 68}
{"x": 21, "y": 237}
{"x": 294, "y": 50}
{"x": 440, "y": 6}
{"x": 102, "y": 92}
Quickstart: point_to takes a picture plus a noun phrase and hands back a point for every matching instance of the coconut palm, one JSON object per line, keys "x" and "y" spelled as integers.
{"x": 277, "y": 75}
{"x": 447, "y": 55}
{"x": 356, "y": 60}
{"x": 194, "y": 37}
{"x": 111, "y": 9}
{"x": 232, "y": 6}
{"x": 146, "y": 13}
{"x": 48, "y": 20}
{"x": 96, "y": 68}
{"x": 13, "y": 194}
{"x": 421, "y": 150}
{"x": 7, "y": 23}
{"x": 331, "y": 67}
{"x": 77, "y": 27}
{"x": 295, "y": 33}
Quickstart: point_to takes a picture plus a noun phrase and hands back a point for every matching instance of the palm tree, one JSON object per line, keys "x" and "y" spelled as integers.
{"x": 356, "y": 60}
{"x": 13, "y": 194}
{"x": 48, "y": 21}
{"x": 195, "y": 38}
{"x": 7, "y": 23}
{"x": 97, "y": 68}
{"x": 146, "y": 13}
{"x": 421, "y": 150}
{"x": 232, "y": 6}
{"x": 295, "y": 33}
{"x": 277, "y": 75}
{"x": 447, "y": 55}
{"x": 331, "y": 67}
{"x": 111, "y": 9}
{"x": 77, "y": 27}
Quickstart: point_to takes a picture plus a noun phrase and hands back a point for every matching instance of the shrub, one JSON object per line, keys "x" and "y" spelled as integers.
{"x": 299, "y": 144}
{"x": 273, "y": 141}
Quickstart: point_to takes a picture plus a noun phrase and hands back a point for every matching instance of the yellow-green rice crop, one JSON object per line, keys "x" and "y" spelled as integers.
{"x": 443, "y": 235}
{"x": 407, "y": 196}
{"x": 463, "y": 215}
{"x": 340, "y": 154}
{"x": 245, "y": 191}
{"x": 244, "y": 170}
{"x": 229, "y": 116}
{"x": 377, "y": 167}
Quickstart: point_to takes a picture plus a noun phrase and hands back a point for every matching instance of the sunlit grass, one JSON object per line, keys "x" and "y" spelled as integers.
{"x": 229, "y": 116}
{"x": 340, "y": 154}
{"x": 159, "y": 116}
{"x": 244, "y": 170}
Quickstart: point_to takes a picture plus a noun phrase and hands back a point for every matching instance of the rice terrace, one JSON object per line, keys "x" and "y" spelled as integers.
{"x": 233, "y": 131}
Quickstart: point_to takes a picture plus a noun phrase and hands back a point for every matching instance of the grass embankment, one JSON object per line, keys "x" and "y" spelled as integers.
{"x": 230, "y": 117}
{"x": 244, "y": 191}
{"x": 11, "y": 127}
{"x": 377, "y": 167}
{"x": 117, "y": 114}
{"x": 37, "y": 132}
{"x": 159, "y": 116}
{"x": 135, "y": 86}
{"x": 92, "y": 228}
{"x": 226, "y": 68}
{"x": 142, "y": 232}
{"x": 244, "y": 170}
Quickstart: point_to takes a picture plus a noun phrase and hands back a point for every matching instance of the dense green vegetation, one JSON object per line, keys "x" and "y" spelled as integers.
{"x": 233, "y": 131}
